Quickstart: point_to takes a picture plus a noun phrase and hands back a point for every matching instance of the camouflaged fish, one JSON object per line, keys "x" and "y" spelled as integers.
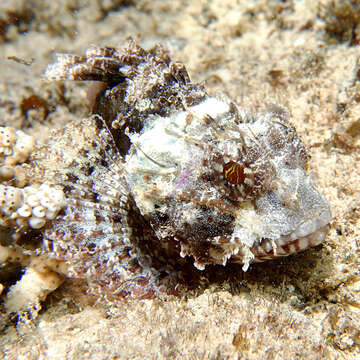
{"x": 163, "y": 174}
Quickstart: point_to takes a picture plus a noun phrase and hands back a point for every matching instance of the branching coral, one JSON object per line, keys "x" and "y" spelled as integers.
{"x": 23, "y": 209}
{"x": 15, "y": 146}
{"x": 29, "y": 207}
{"x": 41, "y": 277}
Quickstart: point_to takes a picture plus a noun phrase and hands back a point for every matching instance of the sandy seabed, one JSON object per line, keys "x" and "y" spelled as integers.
{"x": 301, "y": 54}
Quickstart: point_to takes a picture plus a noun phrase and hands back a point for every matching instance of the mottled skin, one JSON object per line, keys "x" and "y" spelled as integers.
{"x": 167, "y": 176}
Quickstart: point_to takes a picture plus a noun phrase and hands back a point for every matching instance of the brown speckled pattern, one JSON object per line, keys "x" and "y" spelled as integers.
{"x": 151, "y": 191}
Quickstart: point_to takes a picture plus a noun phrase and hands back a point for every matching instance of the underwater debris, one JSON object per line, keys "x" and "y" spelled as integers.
{"x": 164, "y": 175}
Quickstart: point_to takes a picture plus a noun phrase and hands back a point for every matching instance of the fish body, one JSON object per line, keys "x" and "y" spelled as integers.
{"x": 170, "y": 174}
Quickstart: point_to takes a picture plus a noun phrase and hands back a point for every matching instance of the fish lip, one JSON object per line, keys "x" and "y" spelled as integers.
{"x": 269, "y": 249}
{"x": 285, "y": 245}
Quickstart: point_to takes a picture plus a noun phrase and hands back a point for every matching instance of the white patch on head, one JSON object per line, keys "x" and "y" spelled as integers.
{"x": 211, "y": 106}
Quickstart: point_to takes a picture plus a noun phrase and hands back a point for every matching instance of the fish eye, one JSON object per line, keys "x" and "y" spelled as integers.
{"x": 236, "y": 179}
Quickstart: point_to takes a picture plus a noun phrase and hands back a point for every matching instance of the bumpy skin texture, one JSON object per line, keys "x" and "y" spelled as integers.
{"x": 169, "y": 175}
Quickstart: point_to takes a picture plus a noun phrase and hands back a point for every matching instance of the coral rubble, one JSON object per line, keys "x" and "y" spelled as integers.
{"x": 25, "y": 208}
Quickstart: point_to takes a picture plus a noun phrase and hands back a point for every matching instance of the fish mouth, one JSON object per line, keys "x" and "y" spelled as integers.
{"x": 310, "y": 231}
{"x": 286, "y": 245}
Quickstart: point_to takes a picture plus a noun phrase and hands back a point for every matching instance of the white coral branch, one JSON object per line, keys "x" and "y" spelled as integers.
{"x": 32, "y": 288}
{"x": 42, "y": 276}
